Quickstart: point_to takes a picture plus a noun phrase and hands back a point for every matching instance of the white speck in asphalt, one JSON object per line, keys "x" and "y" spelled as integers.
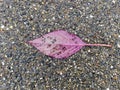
{"x": 113, "y": 1}
{"x": 111, "y": 67}
{"x": 91, "y": 16}
{"x": 107, "y": 89}
{"x": 3, "y": 63}
{"x": 2, "y": 26}
{"x": 118, "y": 42}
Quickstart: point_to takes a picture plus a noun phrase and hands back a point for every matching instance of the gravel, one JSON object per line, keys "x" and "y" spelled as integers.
{"x": 22, "y": 67}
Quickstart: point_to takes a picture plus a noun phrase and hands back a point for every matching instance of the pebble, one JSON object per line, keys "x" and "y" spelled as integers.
{"x": 107, "y": 88}
{"x": 2, "y": 27}
{"x": 118, "y": 42}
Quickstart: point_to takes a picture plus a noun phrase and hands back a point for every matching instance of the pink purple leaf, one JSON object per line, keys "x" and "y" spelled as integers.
{"x": 60, "y": 44}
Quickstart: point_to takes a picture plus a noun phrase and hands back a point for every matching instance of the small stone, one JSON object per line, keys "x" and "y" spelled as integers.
{"x": 13, "y": 42}
{"x": 53, "y": 18}
{"x": 107, "y": 88}
{"x": 113, "y": 1}
{"x": 71, "y": 8}
{"x": 11, "y": 27}
{"x": 111, "y": 67}
{"x": 61, "y": 73}
{"x": 2, "y": 26}
{"x": 4, "y": 78}
{"x": 89, "y": 50}
{"x": 7, "y": 28}
{"x": 91, "y": 16}
{"x": 45, "y": 20}
{"x": 3, "y": 63}
{"x": 118, "y": 43}
{"x": 6, "y": 56}
{"x": 3, "y": 43}
{"x": 43, "y": 2}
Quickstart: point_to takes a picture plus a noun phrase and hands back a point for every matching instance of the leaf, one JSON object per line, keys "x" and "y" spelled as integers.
{"x": 60, "y": 44}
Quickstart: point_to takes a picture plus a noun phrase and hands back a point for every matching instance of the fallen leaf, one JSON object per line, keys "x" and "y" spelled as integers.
{"x": 60, "y": 44}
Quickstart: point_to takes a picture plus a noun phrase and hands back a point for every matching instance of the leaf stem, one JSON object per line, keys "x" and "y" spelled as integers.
{"x": 98, "y": 45}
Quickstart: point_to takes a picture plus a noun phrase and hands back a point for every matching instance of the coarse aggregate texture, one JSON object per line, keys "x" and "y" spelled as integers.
{"x": 22, "y": 67}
